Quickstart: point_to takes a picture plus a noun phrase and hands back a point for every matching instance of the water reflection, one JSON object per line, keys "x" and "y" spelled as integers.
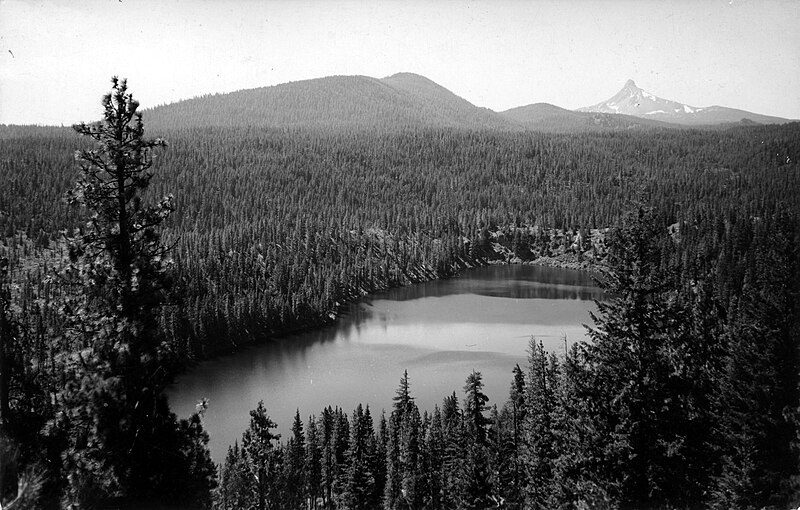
{"x": 439, "y": 331}
{"x": 510, "y": 281}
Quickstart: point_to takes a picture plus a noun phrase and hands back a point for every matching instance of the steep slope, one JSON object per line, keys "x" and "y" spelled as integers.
{"x": 632, "y": 100}
{"x": 360, "y": 102}
{"x": 433, "y": 100}
{"x": 551, "y": 118}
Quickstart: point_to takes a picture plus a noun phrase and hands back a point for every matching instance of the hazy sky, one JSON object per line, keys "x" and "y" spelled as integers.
{"x": 58, "y": 56}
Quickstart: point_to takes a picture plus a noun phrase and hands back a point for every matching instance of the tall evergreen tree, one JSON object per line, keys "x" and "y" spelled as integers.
{"x": 454, "y": 441}
{"x": 313, "y": 462}
{"x": 237, "y": 485}
{"x": 379, "y": 461}
{"x": 359, "y": 481}
{"x": 402, "y": 449}
{"x": 637, "y": 387}
{"x": 403, "y": 399}
{"x": 475, "y": 487}
{"x": 409, "y": 458}
{"x": 540, "y": 406}
{"x": 433, "y": 460}
{"x": 451, "y": 413}
{"x": 518, "y": 412}
{"x": 327, "y": 456}
{"x": 259, "y": 445}
{"x": 294, "y": 466}
{"x": 339, "y": 443}
{"x": 116, "y": 421}
{"x": 474, "y": 407}
{"x": 19, "y": 487}
{"x": 758, "y": 402}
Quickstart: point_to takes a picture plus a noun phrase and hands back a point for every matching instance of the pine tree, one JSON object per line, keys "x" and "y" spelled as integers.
{"x": 340, "y": 441}
{"x": 474, "y": 483}
{"x": 313, "y": 462}
{"x": 294, "y": 466}
{"x": 451, "y": 413}
{"x": 454, "y": 440}
{"x": 433, "y": 460}
{"x": 328, "y": 456}
{"x": 120, "y": 244}
{"x": 475, "y": 486}
{"x": 518, "y": 412}
{"x": 474, "y": 407}
{"x": 262, "y": 457}
{"x": 394, "y": 473}
{"x": 237, "y": 487}
{"x": 636, "y": 384}
{"x": 505, "y": 446}
{"x": 359, "y": 484}
{"x": 19, "y": 487}
{"x": 540, "y": 405}
{"x": 379, "y": 461}
{"x": 116, "y": 420}
{"x": 402, "y": 449}
{"x": 409, "y": 458}
{"x": 759, "y": 398}
{"x": 403, "y": 399}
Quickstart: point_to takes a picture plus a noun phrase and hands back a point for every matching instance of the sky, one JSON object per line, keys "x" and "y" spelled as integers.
{"x": 57, "y": 56}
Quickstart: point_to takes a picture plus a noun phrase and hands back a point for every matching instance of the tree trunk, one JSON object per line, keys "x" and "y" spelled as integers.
{"x": 125, "y": 259}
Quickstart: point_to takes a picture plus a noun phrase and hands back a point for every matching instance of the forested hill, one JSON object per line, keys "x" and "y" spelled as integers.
{"x": 275, "y": 228}
{"x": 400, "y": 101}
{"x": 551, "y": 118}
{"x": 407, "y": 101}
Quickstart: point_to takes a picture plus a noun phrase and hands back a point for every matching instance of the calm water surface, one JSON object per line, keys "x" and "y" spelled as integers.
{"x": 439, "y": 331}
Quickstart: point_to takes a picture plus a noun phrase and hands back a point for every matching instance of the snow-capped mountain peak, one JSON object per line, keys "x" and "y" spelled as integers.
{"x": 632, "y": 100}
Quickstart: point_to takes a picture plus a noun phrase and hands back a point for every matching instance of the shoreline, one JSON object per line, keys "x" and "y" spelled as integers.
{"x": 419, "y": 275}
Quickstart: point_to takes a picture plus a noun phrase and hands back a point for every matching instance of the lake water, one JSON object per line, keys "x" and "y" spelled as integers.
{"x": 439, "y": 331}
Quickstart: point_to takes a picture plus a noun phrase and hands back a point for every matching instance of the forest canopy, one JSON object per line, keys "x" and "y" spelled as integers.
{"x": 273, "y": 229}
{"x": 686, "y": 393}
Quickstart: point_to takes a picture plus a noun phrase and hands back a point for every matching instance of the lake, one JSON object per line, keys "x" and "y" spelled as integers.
{"x": 439, "y": 331}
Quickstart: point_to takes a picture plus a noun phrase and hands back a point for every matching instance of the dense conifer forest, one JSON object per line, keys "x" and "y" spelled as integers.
{"x": 686, "y": 396}
{"x": 273, "y": 229}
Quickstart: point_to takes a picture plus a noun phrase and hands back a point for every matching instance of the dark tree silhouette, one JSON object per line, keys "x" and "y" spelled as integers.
{"x": 122, "y": 442}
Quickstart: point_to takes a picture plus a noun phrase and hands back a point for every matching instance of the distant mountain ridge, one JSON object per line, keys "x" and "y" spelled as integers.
{"x": 637, "y": 102}
{"x": 407, "y": 100}
{"x": 398, "y": 101}
{"x": 551, "y": 118}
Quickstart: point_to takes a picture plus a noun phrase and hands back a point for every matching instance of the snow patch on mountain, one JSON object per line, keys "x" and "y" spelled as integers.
{"x": 631, "y": 100}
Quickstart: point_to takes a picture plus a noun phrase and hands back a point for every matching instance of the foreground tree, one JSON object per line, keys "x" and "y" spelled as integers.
{"x": 474, "y": 488}
{"x": 236, "y": 484}
{"x": 120, "y": 442}
{"x": 294, "y": 462}
{"x": 18, "y": 488}
{"x": 539, "y": 426}
{"x": 758, "y": 398}
{"x": 640, "y": 374}
{"x": 263, "y": 459}
{"x": 359, "y": 486}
